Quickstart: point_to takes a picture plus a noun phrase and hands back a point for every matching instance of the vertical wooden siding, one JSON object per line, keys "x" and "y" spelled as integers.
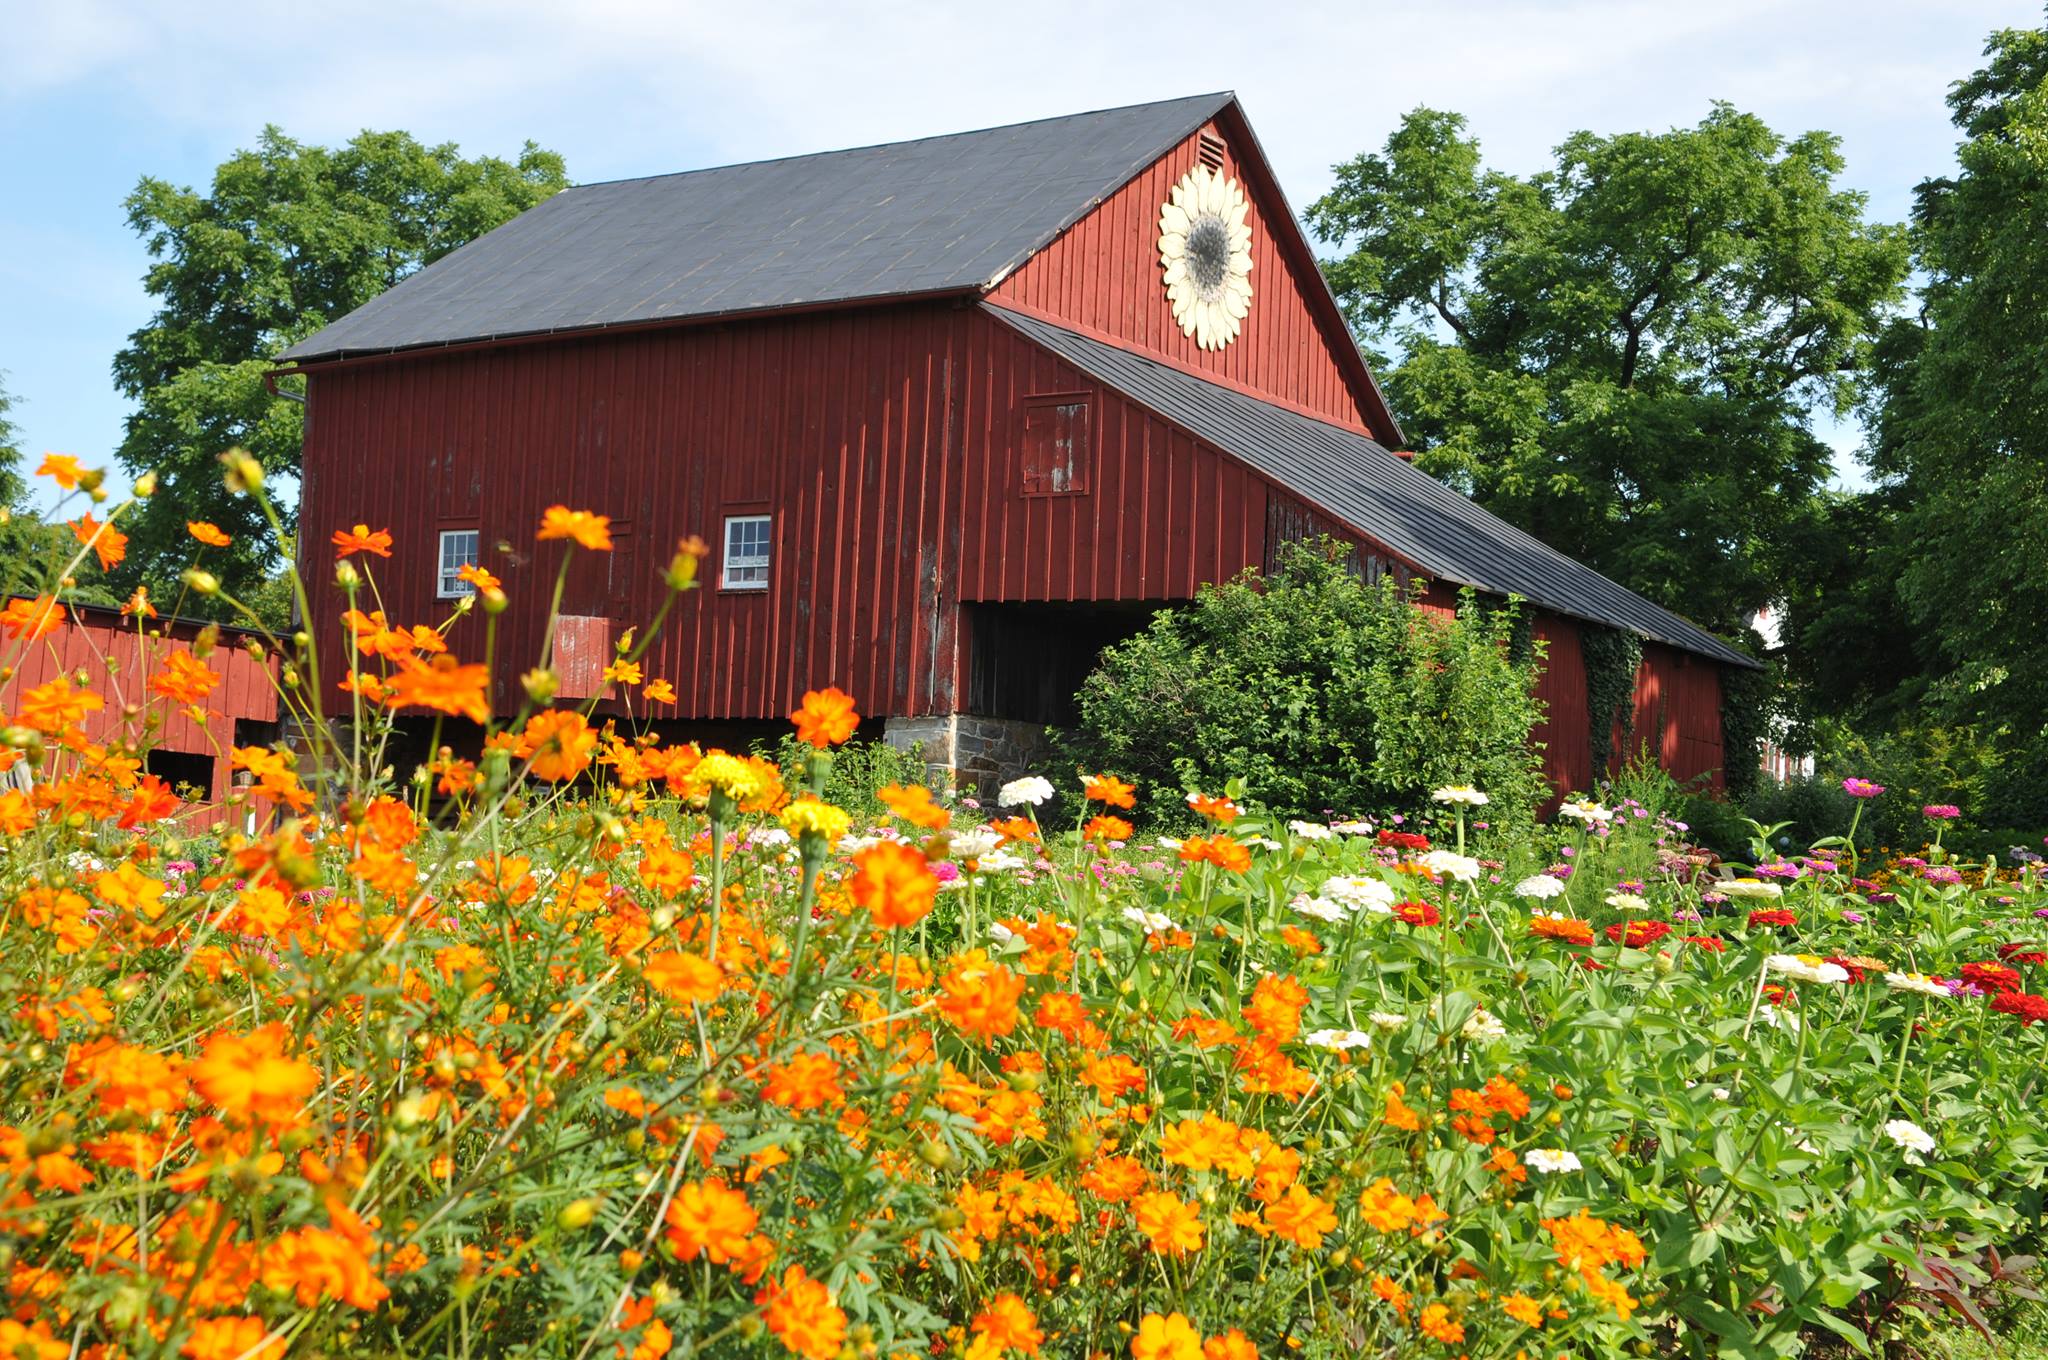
{"x": 1678, "y": 714}
{"x": 1162, "y": 515}
{"x": 117, "y": 666}
{"x": 836, "y": 424}
{"x": 1561, "y": 685}
{"x": 1102, "y": 275}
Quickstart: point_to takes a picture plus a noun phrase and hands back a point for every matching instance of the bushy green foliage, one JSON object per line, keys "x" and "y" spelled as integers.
{"x": 858, "y": 771}
{"x": 1320, "y": 693}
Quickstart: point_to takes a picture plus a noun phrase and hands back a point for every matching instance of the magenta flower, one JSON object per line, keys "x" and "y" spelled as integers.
{"x": 1861, "y": 788}
{"x": 1941, "y": 812}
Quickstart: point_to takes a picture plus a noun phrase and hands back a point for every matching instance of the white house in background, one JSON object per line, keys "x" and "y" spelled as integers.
{"x": 1779, "y": 763}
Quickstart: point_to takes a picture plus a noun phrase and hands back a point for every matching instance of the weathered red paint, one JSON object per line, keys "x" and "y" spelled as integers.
{"x": 117, "y": 661}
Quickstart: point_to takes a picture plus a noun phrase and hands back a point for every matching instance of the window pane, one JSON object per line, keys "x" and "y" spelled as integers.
{"x": 748, "y": 541}
{"x": 458, "y": 550}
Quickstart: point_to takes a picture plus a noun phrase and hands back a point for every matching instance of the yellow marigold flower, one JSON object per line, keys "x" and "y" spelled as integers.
{"x": 730, "y": 775}
{"x": 811, "y": 814}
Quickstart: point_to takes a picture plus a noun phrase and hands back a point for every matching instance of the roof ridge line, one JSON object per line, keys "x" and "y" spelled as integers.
{"x": 1223, "y": 95}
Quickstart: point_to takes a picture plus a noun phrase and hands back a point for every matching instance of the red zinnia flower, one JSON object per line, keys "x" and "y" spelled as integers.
{"x": 2025, "y": 1005}
{"x": 1773, "y": 918}
{"x": 1992, "y": 977}
{"x": 1638, "y": 934}
{"x": 1417, "y": 913}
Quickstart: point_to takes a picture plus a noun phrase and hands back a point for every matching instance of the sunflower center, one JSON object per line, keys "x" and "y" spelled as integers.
{"x": 1208, "y": 256}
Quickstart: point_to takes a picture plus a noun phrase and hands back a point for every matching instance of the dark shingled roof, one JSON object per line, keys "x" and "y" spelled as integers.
{"x": 945, "y": 214}
{"x": 1355, "y": 480}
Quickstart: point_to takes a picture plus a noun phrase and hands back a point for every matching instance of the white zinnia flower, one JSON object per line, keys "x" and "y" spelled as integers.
{"x": 1357, "y": 826}
{"x": 1750, "y": 887}
{"x": 1169, "y": 843}
{"x": 1153, "y": 922}
{"x": 1806, "y": 968}
{"x": 1321, "y": 908}
{"x": 1000, "y": 862}
{"x": 1311, "y": 831}
{"x": 1387, "y": 1020}
{"x": 1910, "y": 1136}
{"x": 1627, "y": 901}
{"x": 1261, "y": 842}
{"x": 1463, "y": 794}
{"x": 1916, "y": 982}
{"x": 1552, "y": 1161}
{"x": 1483, "y": 1027}
{"x": 1541, "y": 886}
{"x": 975, "y": 842}
{"x": 1584, "y": 810}
{"x": 771, "y": 835}
{"x": 1032, "y": 789}
{"x": 1450, "y": 864}
{"x": 1361, "y": 894}
{"x": 1000, "y": 933}
{"x": 1338, "y": 1039}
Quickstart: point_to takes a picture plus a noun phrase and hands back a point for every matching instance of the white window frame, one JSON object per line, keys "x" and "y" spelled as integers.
{"x": 749, "y": 563}
{"x": 448, "y": 585}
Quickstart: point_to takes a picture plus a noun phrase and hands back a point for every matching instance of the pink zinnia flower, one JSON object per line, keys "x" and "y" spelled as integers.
{"x": 1941, "y": 812}
{"x": 1861, "y": 788}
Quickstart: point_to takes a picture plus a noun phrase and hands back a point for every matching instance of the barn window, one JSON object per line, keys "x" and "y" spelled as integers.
{"x": 747, "y": 549}
{"x": 458, "y": 550}
{"x": 1056, "y": 445}
{"x": 1209, "y": 151}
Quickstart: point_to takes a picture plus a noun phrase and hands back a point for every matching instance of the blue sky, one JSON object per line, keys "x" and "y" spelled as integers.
{"x": 96, "y": 93}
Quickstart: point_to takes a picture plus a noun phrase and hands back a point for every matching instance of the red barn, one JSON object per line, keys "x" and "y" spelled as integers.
{"x": 953, "y": 412}
{"x": 116, "y": 660}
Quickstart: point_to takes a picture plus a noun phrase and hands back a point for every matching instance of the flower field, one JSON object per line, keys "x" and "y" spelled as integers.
{"x": 594, "y": 1044}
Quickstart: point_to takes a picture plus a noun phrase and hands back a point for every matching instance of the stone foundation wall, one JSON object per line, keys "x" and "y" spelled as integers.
{"x": 972, "y": 754}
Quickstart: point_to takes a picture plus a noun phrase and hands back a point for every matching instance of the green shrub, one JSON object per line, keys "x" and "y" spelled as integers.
{"x": 1321, "y": 693}
{"x": 859, "y": 769}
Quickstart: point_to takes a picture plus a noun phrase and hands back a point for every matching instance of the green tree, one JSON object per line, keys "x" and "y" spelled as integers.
{"x": 1959, "y": 410}
{"x": 288, "y": 238}
{"x": 1621, "y": 353}
{"x": 13, "y": 485}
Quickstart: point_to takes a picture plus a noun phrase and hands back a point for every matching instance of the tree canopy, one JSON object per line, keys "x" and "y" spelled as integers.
{"x": 12, "y": 483}
{"x": 1621, "y": 353}
{"x": 1958, "y": 413}
{"x": 287, "y": 238}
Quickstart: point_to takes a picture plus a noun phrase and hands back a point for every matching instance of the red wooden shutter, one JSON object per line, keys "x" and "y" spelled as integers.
{"x": 1056, "y": 445}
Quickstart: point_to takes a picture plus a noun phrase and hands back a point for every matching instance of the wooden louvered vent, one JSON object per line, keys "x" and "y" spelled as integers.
{"x": 1209, "y": 151}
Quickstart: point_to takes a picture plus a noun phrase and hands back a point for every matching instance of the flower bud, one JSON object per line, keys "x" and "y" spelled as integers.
{"x": 244, "y": 473}
{"x": 200, "y": 582}
{"x": 145, "y": 485}
{"x": 346, "y": 576}
{"x": 540, "y": 684}
{"x": 576, "y": 1215}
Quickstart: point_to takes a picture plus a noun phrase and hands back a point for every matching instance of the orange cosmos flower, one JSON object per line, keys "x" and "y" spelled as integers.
{"x": 61, "y": 468}
{"x": 805, "y": 1082}
{"x": 659, "y": 692}
{"x": 152, "y": 801}
{"x": 1522, "y": 1309}
{"x": 1275, "y": 1007}
{"x": 185, "y": 679}
{"x": 1116, "y": 1179}
{"x": 1173, "y": 1224}
{"x": 1171, "y": 1337}
{"x": 685, "y": 977}
{"x": 1221, "y": 851}
{"x": 109, "y": 544}
{"x": 249, "y": 1077}
{"x": 895, "y": 883}
{"x": 442, "y": 685}
{"x": 825, "y": 717}
{"x": 1006, "y": 1324}
{"x": 138, "y": 605}
{"x": 913, "y": 803}
{"x": 559, "y": 743}
{"x": 1436, "y": 1324}
{"x": 1104, "y": 829}
{"x": 710, "y": 1219}
{"x": 800, "y": 1312}
{"x": 1301, "y": 1218}
{"x": 1232, "y": 1345}
{"x": 207, "y": 532}
{"x": 587, "y": 530}
{"x": 232, "y": 1338}
{"x": 1218, "y": 810}
{"x": 1107, "y": 788}
{"x": 56, "y": 706}
{"x": 1570, "y": 929}
{"x": 980, "y": 997}
{"x": 29, "y": 619}
{"x": 360, "y": 539}
{"x": 478, "y": 577}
